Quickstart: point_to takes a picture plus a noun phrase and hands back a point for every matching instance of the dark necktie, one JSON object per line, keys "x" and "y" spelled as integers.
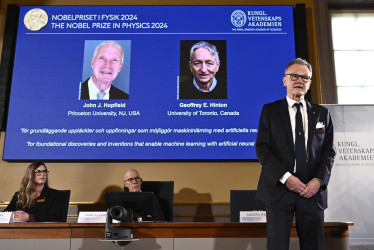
{"x": 301, "y": 164}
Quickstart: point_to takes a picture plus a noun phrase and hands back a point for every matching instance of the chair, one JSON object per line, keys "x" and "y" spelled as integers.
{"x": 163, "y": 192}
{"x": 243, "y": 200}
{"x": 64, "y": 207}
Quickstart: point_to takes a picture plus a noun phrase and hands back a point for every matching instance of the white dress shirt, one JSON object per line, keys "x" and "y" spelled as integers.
{"x": 93, "y": 90}
{"x": 292, "y": 111}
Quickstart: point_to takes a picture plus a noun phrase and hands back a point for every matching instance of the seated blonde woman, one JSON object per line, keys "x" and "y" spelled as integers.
{"x": 36, "y": 201}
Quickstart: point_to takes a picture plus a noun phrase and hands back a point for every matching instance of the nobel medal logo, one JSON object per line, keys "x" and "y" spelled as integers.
{"x": 238, "y": 18}
{"x": 35, "y": 19}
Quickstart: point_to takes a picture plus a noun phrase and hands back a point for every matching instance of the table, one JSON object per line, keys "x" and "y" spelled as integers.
{"x": 168, "y": 236}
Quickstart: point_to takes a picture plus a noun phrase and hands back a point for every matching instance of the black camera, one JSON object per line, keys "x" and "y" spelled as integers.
{"x": 118, "y": 213}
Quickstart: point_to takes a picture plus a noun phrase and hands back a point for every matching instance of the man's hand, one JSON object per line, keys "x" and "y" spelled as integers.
{"x": 311, "y": 189}
{"x": 295, "y": 185}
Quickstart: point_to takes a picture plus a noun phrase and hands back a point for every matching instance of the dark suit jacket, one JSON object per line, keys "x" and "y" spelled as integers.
{"x": 188, "y": 91}
{"x": 114, "y": 93}
{"x": 275, "y": 149}
{"x": 46, "y": 208}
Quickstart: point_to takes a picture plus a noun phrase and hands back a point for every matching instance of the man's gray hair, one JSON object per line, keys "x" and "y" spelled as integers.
{"x": 110, "y": 43}
{"x": 301, "y": 62}
{"x": 210, "y": 47}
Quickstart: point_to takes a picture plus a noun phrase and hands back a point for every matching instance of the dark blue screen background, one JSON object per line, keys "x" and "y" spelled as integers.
{"x": 48, "y": 70}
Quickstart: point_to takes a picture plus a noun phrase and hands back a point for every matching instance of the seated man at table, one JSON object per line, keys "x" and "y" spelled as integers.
{"x": 133, "y": 183}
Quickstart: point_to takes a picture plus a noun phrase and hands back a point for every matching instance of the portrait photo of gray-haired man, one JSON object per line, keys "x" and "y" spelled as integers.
{"x": 203, "y": 74}
{"x": 106, "y": 63}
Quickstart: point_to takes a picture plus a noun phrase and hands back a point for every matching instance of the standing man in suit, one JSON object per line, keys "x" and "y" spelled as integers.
{"x": 296, "y": 166}
{"x": 106, "y": 63}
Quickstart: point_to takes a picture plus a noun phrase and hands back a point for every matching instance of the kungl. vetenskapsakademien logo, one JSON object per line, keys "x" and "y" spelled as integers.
{"x": 238, "y": 18}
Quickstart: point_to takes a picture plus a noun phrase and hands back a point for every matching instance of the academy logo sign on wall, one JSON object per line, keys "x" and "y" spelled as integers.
{"x": 351, "y": 187}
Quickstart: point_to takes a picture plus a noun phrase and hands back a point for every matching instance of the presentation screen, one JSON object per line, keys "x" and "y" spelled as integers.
{"x": 145, "y": 82}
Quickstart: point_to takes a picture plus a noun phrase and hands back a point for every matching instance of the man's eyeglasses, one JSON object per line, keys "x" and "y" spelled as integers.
{"x": 294, "y": 77}
{"x": 40, "y": 172}
{"x": 136, "y": 179}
